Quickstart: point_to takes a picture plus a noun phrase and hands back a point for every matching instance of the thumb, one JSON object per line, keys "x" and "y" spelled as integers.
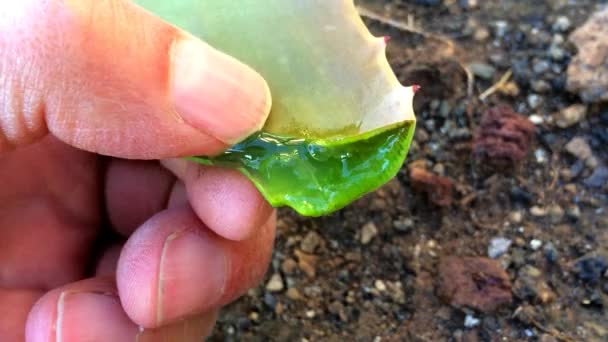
{"x": 108, "y": 77}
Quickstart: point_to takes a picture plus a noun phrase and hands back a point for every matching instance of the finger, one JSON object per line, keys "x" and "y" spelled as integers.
{"x": 135, "y": 191}
{"x": 49, "y": 215}
{"x": 84, "y": 311}
{"x": 173, "y": 267}
{"x": 54, "y": 171}
{"x": 226, "y": 201}
{"x": 108, "y": 77}
{"x": 90, "y": 311}
{"x": 15, "y": 307}
{"x": 178, "y": 197}
{"x": 41, "y": 247}
{"x": 193, "y": 329}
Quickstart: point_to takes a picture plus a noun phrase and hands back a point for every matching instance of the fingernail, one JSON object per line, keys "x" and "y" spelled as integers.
{"x": 217, "y": 94}
{"x": 192, "y": 275}
{"x": 193, "y": 329}
{"x": 88, "y": 316}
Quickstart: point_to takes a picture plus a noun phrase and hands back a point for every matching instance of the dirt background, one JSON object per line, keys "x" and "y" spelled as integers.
{"x": 388, "y": 267}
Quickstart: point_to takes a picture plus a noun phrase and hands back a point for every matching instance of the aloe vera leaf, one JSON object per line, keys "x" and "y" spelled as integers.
{"x": 341, "y": 122}
{"x": 318, "y": 179}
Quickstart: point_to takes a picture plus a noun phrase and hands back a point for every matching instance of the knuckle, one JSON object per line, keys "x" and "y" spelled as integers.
{"x": 21, "y": 115}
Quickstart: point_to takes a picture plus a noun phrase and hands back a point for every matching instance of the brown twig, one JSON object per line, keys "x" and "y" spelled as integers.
{"x": 552, "y": 331}
{"x": 497, "y": 86}
{"x": 482, "y": 225}
{"x": 407, "y": 27}
{"x": 411, "y": 28}
{"x": 466, "y": 200}
{"x": 555, "y": 176}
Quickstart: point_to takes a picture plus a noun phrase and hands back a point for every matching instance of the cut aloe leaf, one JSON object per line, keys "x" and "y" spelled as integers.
{"x": 340, "y": 124}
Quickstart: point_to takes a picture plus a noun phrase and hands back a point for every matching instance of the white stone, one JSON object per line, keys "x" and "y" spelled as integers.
{"x": 368, "y": 233}
{"x": 498, "y": 246}
{"x": 538, "y": 211}
{"x": 535, "y": 244}
{"x": 579, "y": 148}
{"x": 471, "y": 322}
{"x": 275, "y": 284}
{"x": 380, "y": 285}
{"x": 536, "y": 119}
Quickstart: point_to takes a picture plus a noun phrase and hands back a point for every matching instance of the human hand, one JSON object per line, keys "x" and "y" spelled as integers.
{"x": 82, "y": 84}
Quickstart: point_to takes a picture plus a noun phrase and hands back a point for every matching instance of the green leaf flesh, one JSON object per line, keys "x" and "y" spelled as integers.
{"x": 318, "y": 177}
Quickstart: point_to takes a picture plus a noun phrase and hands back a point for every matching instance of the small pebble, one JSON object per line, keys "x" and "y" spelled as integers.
{"x": 536, "y": 119}
{"x": 577, "y": 168}
{"x": 500, "y": 28}
{"x": 471, "y": 322}
{"x": 468, "y": 4}
{"x": 592, "y": 162}
{"x": 515, "y": 217}
{"x": 498, "y": 246}
{"x": 275, "y": 284}
{"x": 540, "y": 86}
{"x": 482, "y": 70}
{"x": 395, "y": 291}
{"x": 571, "y": 115}
{"x": 598, "y": 178}
{"x": 556, "y": 213}
{"x": 368, "y": 233}
{"x": 556, "y": 53}
{"x": 538, "y": 211}
{"x": 573, "y": 212}
{"x": 421, "y": 136}
{"x": 534, "y": 101}
{"x": 541, "y": 156}
{"x": 590, "y": 268}
{"x": 270, "y": 300}
{"x": 230, "y": 330}
{"x": 562, "y": 24}
{"x": 380, "y": 285}
{"x": 500, "y": 59}
{"x": 481, "y": 34}
{"x": 558, "y": 39}
{"x": 288, "y": 266}
{"x": 439, "y": 169}
{"x": 462, "y": 133}
{"x": 310, "y": 242}
{"x": 538, "y": 37}
{"x": 444, "y": 109}
{"x": 579, "y": 148}
{"x": 403, "y": 225}
{"x": 293, "y": 294}
{"x": 566, "y": 175}
{"x": 541, "y": 66}
{"x": 535, "y": 244}
{"x": 550, "y": 252}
